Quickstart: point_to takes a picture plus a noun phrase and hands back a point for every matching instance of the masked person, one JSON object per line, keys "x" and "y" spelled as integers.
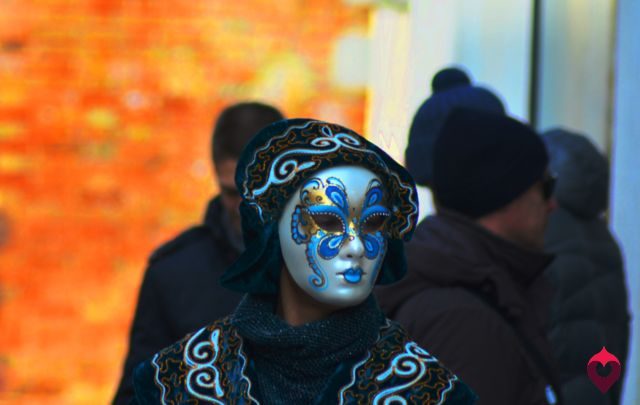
{"x": 324, "y": 217}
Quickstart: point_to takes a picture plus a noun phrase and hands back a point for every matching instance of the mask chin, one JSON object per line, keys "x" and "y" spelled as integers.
{"x": 333, "y": 235}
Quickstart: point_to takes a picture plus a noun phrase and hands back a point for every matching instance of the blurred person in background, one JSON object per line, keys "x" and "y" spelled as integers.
{"x": 325, "y": 214}
{"x": 474, "y": 292}
{"x": 589, "y": 310}
{"x": 181, "y": 291}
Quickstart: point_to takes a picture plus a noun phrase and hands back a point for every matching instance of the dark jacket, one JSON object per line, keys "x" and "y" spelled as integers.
{"x": 589, "y": 310}
{"x": 180, "y": 292}
{"x": 467, "y": 296}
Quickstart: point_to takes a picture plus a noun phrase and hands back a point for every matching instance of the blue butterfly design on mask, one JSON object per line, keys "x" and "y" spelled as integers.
{"x": 327, "y": 244}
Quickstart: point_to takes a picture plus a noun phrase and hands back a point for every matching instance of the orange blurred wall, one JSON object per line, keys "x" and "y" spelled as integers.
{"x": 105, "y": 113}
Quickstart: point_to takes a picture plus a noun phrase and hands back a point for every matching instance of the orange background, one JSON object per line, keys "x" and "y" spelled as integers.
{"x": 105, "y": 113}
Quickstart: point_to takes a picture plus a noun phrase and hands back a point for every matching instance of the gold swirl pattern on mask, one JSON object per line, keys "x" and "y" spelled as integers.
{"x": 314, "y": 193}
{"x": 307, "y": 226}
{"x": 277, "y": 170}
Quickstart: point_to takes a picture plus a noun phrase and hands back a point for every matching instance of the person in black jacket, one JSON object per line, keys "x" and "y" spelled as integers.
{"x": 180, "y": 291}
{"x": 590, "y": 307}
{"x": 474, "y": 293}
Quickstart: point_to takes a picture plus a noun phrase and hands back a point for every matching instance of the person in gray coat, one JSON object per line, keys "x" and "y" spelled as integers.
{"x": 589, "y": 309}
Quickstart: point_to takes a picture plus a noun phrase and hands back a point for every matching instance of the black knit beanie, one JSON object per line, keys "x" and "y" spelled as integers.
{"x": 451, "y": 88}
{"x": 484, "y": 161}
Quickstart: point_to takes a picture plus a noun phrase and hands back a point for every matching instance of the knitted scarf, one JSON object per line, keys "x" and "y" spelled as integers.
{"x": 294, "y": 363}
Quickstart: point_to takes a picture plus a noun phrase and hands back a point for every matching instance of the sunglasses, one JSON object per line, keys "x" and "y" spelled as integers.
{"x": 548, "y": 185}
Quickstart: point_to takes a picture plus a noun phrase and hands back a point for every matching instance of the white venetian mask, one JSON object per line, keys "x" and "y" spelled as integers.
{"x": 333, "y": 234}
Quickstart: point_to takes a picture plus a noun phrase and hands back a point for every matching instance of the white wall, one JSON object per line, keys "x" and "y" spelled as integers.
{"x": 625, "y": 192}
{"x": 576, "y": 65}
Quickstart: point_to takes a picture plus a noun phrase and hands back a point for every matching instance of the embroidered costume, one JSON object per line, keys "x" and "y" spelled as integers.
{"x": 212, "y": 367}
{"x": 332, "y": 210}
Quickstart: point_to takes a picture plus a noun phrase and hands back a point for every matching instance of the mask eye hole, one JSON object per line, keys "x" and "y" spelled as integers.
{"x": 328, "y": 222}
{"x": 374, "y": 223}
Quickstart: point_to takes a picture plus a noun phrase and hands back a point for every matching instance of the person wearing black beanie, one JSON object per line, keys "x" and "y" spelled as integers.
{"x": 450, "y": 88}
{"x": 474, "y": 291}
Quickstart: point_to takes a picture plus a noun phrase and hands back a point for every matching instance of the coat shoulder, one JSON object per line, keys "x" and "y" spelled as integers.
{"x": 185, "y": 239}
{"x": 433, "y": 303}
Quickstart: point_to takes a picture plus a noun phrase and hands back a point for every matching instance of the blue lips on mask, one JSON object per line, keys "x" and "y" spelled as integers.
{"x": 353, "y": 275}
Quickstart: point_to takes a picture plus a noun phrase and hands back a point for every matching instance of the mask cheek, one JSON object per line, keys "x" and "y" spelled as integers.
{"x": 318, "y": 278}
{"x": 375, "y": 247}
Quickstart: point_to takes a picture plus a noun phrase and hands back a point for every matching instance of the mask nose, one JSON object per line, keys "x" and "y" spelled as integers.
{"x": 353, "y": 248}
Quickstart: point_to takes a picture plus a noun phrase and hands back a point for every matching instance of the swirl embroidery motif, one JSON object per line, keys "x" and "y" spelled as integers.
{"x": 156, "y": 377}
{"x": 312, "y": 144}
{"x": 203, "y": 375}
{"x": 412, "y": 364}
{"x": 412, "y": 209}
{"x": 245, "y": 377}
{"x": 357, "y": 366}
{"x": 285, "y": 166}
{"x": 216, "y": 348}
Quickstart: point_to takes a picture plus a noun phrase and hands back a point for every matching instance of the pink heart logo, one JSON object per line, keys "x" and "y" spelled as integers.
{"x": 604, "y": 383}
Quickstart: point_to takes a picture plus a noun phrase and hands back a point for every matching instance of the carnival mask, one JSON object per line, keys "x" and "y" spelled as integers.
{"x": 333, "y": 234}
